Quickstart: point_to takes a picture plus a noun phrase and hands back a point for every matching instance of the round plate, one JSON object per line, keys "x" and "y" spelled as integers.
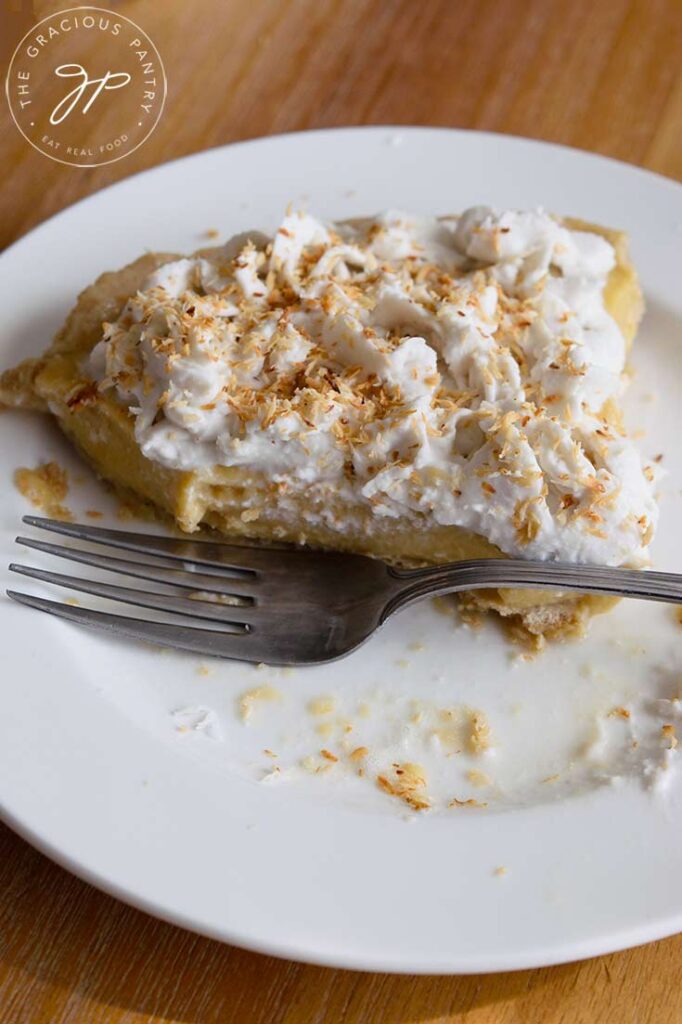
{"x": 241, "y": 829}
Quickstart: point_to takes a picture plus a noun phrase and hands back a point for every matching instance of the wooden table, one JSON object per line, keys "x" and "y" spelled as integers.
{"x": 604, "y": 75}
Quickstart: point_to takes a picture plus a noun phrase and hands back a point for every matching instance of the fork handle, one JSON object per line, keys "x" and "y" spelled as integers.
{"x": 518, "y": 573}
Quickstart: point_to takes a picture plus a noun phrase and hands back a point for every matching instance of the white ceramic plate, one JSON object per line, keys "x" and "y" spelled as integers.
{"x": 323, "y": 866}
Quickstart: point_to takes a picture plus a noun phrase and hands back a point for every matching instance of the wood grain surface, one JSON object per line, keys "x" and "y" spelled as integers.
{"x": 604, "y": 75}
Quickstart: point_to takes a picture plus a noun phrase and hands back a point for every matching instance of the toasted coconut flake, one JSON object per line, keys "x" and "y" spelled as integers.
{"x": 406, "y": 782}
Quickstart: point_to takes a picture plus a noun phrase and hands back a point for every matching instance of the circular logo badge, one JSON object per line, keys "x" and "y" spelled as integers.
{"x": 86, "y": 86}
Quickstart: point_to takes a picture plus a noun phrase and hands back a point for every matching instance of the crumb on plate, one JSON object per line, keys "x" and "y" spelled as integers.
{"x": 322, "y": 705}
{"x": 261, "y": 694}
{"x": 46, "y": 487}
{"x": 480, "y": 736}
{"x": 478, "y": 778}
{"x": 619, "y": 712}
{"x": 406, "y": 782}
{"x": 669, "y": 736}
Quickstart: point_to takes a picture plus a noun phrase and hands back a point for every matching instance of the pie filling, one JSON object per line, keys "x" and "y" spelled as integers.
{"x": 421, "y": 389}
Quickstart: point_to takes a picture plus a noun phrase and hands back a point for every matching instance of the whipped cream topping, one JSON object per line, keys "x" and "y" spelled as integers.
{"x": 463, "y": 369}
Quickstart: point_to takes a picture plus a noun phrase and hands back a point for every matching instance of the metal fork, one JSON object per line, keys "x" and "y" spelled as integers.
{"x": 284, "y": 606}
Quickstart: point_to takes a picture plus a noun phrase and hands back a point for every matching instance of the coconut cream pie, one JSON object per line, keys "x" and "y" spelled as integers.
{"x": 418, "y": 389}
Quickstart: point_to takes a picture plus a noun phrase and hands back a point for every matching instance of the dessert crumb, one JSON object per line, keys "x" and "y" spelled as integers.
{"x": 214, "y": 598}
{"x": 406, "y": 782}
{"x": 322, "y": 705}
{"x": 531, "y": 644}
{"x": 477, "y": 778}
{"x": 471, "y": 617}
{"x": 618, "y": 712}
{"x": 668, "y": 733}
{"x": 480, "y": 736}
{"x": 315, "y": 764}
{"x": 132, "y": 507}
{"x": 449, "y": 729}
{"x": 262, "y": 694}
{"x": 444, "y": 605}
{"x": 500, "y": 871}
{"x": 46, "y": 487}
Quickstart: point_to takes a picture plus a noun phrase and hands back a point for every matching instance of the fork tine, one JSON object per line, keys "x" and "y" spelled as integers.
{"x": 228, "y": 615}
{"x": 210, "y": 554}
{"x": 170, "y": 575}
{"x": 240, "y": 646}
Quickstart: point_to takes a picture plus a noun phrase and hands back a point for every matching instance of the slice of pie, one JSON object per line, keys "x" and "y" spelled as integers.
{"x": 423, "y": 390}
